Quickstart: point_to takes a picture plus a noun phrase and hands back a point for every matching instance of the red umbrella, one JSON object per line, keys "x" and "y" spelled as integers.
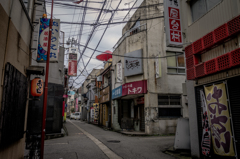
{"x": 105, "y": 56}
{"x": 78, "y": 2}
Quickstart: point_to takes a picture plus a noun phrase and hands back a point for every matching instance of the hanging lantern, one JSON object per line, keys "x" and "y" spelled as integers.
{"x": 37, "y": 87}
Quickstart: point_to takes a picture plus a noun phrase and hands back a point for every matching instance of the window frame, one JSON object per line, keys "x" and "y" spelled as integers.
{"x": 207, "y": 9}
{"x": 177, "y": 67}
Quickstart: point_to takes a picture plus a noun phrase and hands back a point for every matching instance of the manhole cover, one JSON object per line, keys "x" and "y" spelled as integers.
{"x": 114, "y": 141}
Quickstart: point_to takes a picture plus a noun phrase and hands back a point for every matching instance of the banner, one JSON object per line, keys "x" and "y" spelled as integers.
{"x": 206, "y": 136}
{"x": 43, "y": 40}
{"x": 219, "y": 120}
{"x": 72, "y": 68}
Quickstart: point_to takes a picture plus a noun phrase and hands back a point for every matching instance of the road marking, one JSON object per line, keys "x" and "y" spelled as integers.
{"x": 110, "y": 154}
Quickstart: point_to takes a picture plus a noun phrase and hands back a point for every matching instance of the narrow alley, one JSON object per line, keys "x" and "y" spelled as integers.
{"x": 89, "y": 141}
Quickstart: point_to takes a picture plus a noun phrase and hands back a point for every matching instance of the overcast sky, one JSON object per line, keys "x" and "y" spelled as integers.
{"x": 113, "y": 33}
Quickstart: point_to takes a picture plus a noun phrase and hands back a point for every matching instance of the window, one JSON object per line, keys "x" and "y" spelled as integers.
{"x": 169, "y": 100}
{"x": 169, "y": 106}
{"x": 169, "y": 112}
{"x": 201, "y": 7}
{"x": 176, "y": 63}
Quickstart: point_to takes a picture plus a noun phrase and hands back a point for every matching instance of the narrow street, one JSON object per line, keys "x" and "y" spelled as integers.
{"x": 89, "y": 141}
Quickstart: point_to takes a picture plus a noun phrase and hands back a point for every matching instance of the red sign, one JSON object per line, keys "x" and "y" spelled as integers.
{"x": 140, "y": 100}
{"x": 72, "y": 68}
{"x": 138, "y": 87}
{"x": 173, "y": 22}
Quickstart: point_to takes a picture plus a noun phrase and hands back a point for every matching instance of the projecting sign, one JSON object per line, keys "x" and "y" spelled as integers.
{"x": 173, "y": 23}
{"x": 119, "y": 72}
{"x": 72, "y": 68}
{"x": 43, "y": 40}
{"x": 72, "y": 56}
{"x": 133, "y": 64}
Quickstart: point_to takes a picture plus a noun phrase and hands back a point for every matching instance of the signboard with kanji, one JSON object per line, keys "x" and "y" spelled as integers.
{"x": 173, "y": 23}
{"x": 117, "y": 92}
{"x": 138, "y": 87}
{"x": 119, "y": 72}
{"x": 43, "y": 40}
{"x": 72, "y": 68}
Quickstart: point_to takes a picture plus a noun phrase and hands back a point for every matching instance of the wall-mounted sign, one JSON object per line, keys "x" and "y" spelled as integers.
{"x": 104, "y": 95}
{"x": 158, "y": 67}
{"x": 72, "y": 56}
{"x": 43, "y": 40}
{"x": 133, "y": 64}
{"x": 96, "y": 110}
{"x": 117, "y": 92}
{"x": 173, "y": 23}
{"x": 72, "y": 68}
{"x": 119, "y": 72}
{"x": 138, "y": 87}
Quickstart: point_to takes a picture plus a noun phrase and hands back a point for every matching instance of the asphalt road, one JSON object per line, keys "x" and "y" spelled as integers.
{"x": 87, "y": 141}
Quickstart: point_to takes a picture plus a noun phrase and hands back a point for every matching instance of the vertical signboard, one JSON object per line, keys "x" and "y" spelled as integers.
{"x": 43, "y": 40}
{"x": 119, "y": 72}
{"x": 72, "y": 61}
{"x": 72, "y": 68}
{"x": 173, "y": 23}
{"x": 219, "y": 120}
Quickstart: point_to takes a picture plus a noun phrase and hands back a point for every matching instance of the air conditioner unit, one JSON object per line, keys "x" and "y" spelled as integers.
{"x": 99, "y": 79}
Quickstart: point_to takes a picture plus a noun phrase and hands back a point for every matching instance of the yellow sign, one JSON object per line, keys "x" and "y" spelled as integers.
{"x": 219, "y": 120}
{"x": 96, "y": 110}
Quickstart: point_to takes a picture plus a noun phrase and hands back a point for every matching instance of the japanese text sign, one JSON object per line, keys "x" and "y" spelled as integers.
{"x": 72, "y": 68}
{"x": 219, "y": 120}
{"x": 119, "y": 72}
{"x": 173, "y": 22}
{"x": 117, "y": 92}
{"x": 133, "y": 64}
{"x": 206, "y": 135}
{"x": 138, "y": 87}
{"x": 43, "y": 40}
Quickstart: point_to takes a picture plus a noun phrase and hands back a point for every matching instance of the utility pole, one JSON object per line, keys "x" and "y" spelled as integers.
{"x": 46, "y": 85}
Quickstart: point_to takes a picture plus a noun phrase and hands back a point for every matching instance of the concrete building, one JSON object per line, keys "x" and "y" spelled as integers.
{"x": 15, "y": 50}
{"x": 212, "y": 41}
{"x": 88, "y": 93}
{"x": 147, "y": 103}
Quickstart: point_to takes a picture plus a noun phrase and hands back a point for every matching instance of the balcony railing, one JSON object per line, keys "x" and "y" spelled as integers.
{"x": 129, "y": 33}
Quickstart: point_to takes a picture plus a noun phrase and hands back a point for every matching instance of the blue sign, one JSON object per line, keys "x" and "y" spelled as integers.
{"x": 117, "y": 92}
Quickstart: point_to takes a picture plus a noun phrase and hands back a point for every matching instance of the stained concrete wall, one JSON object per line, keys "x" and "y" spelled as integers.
{"x": 153, "y": 43}
{"x": 14, "y": 48}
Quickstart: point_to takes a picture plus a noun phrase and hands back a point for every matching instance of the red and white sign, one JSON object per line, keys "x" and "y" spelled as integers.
{"x": 138, "y": 87}
{"x": 173, "y": 22}
{"x": 72, "y": 68}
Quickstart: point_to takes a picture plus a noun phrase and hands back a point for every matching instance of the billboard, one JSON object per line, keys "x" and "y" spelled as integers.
{"x": 172, "y": 19}
{"x": 43, "y": 40}
{"x": 133, "y": 63}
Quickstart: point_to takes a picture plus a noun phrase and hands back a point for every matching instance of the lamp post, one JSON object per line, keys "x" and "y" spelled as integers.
{"x": 46, "y": 85}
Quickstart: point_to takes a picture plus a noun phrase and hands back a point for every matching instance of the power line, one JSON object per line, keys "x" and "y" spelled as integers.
{"x": 101, "y": 37}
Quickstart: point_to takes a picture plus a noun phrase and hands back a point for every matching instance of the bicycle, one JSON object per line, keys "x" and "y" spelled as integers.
{"x": 33, "y": 143}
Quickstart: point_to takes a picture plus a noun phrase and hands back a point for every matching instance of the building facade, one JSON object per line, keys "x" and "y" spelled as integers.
{"x": 148, "y": 75}
{"x": 211, "y": 44}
